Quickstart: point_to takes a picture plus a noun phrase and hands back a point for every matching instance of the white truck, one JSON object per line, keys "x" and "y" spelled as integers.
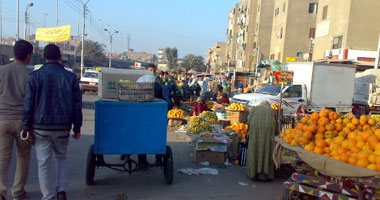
{"x": 367, "y": 91}
{"x": 316, "y": 85}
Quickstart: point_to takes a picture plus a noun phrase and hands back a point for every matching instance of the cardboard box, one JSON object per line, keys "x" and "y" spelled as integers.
{"x": 211, "y": 144}
{"x": 209, "y": 156}
{"x": 109, "y": 77}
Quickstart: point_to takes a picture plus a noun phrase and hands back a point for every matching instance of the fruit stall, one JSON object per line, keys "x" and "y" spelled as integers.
{"x": 335, "y": 156}
{"x": 218, "y": 137}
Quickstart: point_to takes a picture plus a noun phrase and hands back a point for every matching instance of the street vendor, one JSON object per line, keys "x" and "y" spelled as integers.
{"x": 224, "y": 99}
{"x": 301, "y": 111}
{"x": 262, "y": 127}
{"x": 199, "y": 108}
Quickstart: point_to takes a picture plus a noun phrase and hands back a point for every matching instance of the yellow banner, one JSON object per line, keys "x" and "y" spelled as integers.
{"x": 290, "y": 59}
{"x": 56, "y": 34}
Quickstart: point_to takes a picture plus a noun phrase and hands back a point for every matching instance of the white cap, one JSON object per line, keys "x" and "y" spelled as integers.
{"x": 146, "y": 79}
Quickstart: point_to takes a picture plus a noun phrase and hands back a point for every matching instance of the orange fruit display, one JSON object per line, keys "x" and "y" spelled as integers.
{"x": 345, "y": 138}
{"x": 362, "y": 163}
{"x": 352, "y": 160}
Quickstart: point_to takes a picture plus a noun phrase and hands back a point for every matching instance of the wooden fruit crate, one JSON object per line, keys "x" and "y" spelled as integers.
{"x": 237, "y": 116}
{"x": 175, "y": 122}
{"x": 232, "y": 147}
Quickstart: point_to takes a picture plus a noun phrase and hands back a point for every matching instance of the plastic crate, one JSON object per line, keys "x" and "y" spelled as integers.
{"x": 132, "y": 92}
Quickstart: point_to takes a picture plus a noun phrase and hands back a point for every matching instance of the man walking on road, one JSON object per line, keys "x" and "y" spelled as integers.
{"x": 12, "y": 91}
{"x": 52, "y": 106}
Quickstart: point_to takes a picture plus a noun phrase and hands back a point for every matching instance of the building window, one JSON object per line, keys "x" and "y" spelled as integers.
{"x": 313, "y": 8}
{"x": 279, "y": 56}
{"x": 312, "y": 33}
{"x": 299, "y": 54}
{"x": 337, "y": 42}
{"x": 282, "y": 30}
{"x": 254, "y": 45}
{"x": 272, "y": 56}
{"x": 325, "y": 10}
{"x": 283, "y": 7}
{"x": 276, "y": 12}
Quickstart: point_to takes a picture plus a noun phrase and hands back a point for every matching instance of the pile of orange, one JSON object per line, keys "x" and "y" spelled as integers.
{"x": 347, "y": 138}
{"x": 240, "y": 128}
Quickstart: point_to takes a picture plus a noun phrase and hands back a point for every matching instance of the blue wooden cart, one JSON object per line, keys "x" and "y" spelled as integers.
{"x": 128, "y": 128}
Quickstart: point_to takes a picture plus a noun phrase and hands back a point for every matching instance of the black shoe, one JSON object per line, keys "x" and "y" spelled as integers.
{"x": 61, "y": 196}
{"x": 21, "y": 197}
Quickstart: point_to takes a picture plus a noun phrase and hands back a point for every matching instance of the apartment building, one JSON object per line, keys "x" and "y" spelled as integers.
{"x": 347, "y": 30}
{"x": 293, "y": 30}
{"x": 216, "y": 57}
{"x": 260, "y": 30}
{"x": 161, "y": 56}
{"x": 231, "y": 43}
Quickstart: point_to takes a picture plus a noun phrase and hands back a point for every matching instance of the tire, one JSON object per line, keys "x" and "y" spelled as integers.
{"x": 91, "y": 164}
{"x": 286, "y": 194}
{"x": 168, "y": 166}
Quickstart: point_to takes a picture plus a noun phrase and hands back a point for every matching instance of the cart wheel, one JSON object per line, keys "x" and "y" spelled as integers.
{"x": 91, "y": 163}
{"x": 286, "y": 194}
{"x": 168, "y": 166}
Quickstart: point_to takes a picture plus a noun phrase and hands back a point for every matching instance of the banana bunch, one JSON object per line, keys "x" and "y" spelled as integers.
{"x": 209, "y": 117}
{"x": 376, "y": 117}
{"x": 175, "y": 113}
{"x": 197, "y": 125}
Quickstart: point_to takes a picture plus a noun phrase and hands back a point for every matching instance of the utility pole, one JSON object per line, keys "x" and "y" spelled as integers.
{"x": 377, "y": 55}
{"x": 102, "y": 30}
{"x": 45, "y": 20}
{"x": 110, "y": 54}
{"x": 83, "y": 33}
{"x": 90, "y": 27}
{"x": 77, "y": 39}
{"x": 18, "y": 21}
{"x": 1, "y": 22}
{"x": 56, "y": 23}
{"x": 257, "y": 60}
{"x": 129, "y": 40}
{"x": 27, "y": 21}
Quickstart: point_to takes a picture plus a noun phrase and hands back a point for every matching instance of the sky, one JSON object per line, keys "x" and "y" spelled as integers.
{"x": 192, "y": 26}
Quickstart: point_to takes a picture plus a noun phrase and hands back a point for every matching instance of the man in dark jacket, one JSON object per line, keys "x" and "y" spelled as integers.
{"x": 52, "y": 107}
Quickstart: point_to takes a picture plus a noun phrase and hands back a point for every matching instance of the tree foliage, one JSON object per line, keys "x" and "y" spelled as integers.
{"x": 93, "y": 52}
{"x": 193, "y": 62}
{"x": 172, "y": 56}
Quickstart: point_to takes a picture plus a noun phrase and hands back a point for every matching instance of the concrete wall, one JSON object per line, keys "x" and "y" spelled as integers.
{"x": 298, "y": 29}
{"x": 231, "y": 44}
{"x": 265, "y": 20}
{"x": 296, "y": 22}
{"x": 280, "y": 21}
{"x": 250, "y": 34}
{"x": 364, "y": 25}
{"x": 338, "y": 20}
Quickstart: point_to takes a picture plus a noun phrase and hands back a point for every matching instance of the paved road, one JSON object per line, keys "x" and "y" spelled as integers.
{"x": 112, "y": 185}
